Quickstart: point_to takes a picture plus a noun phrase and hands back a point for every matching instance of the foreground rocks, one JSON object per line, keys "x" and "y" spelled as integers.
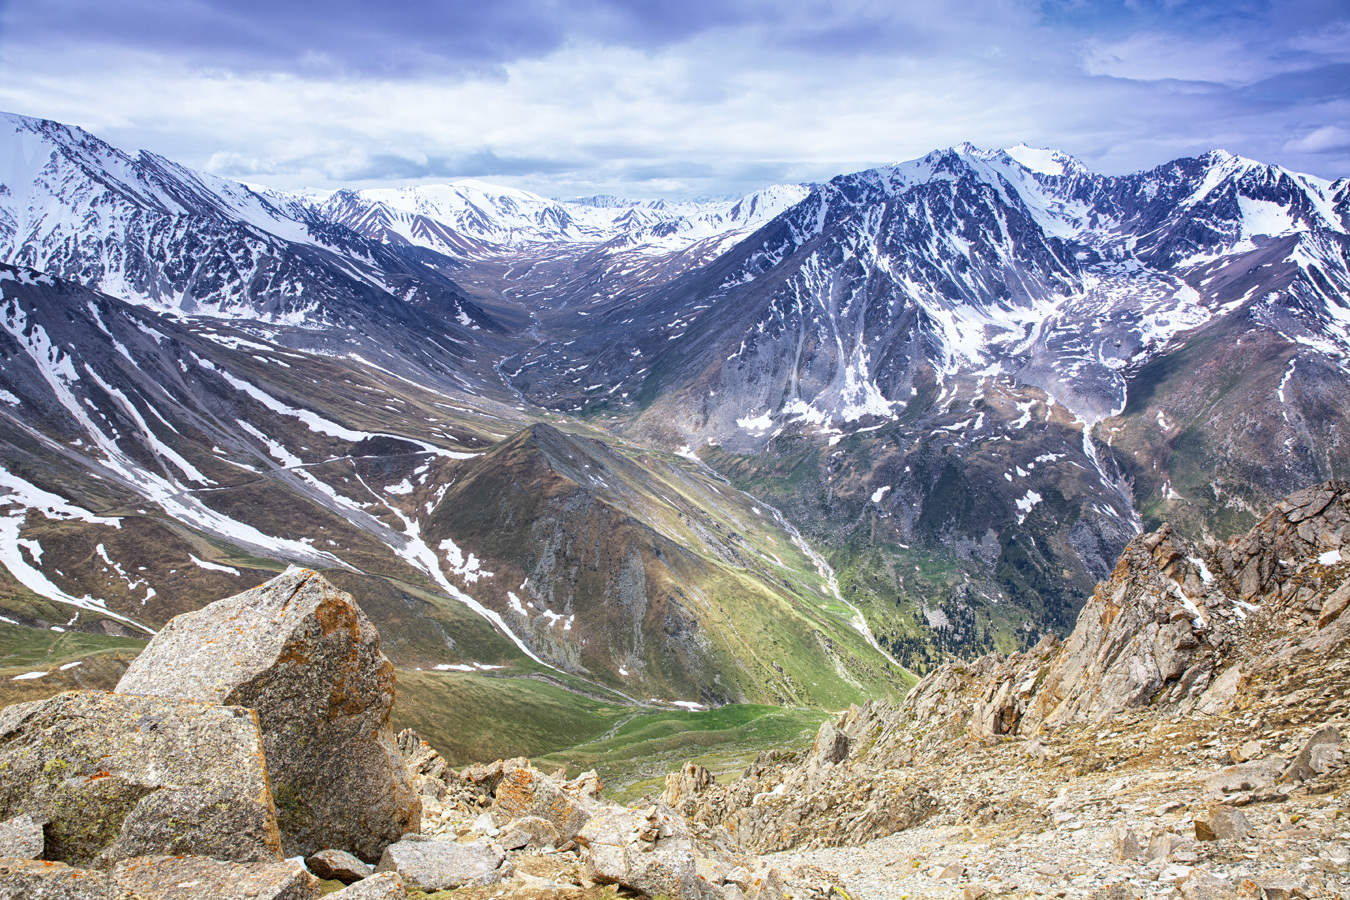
{"x": 114, "y": 776}
{"x": 169, "y": 878}
{"x": 445, "y": 865}
{"x": 303, "y": 655}
{"x": 157, "y": 878}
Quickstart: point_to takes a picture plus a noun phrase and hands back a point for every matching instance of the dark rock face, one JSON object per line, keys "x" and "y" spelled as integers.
{"x": 117, "y": 776}
{"x": 303, "y": 655}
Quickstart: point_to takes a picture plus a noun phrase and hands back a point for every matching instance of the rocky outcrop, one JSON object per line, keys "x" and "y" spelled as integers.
{"x": 1177, "y": 630}
{"x": 303, "y": 655}
{"x": 114, "y": 776}
{"x": 1152, "y": 634}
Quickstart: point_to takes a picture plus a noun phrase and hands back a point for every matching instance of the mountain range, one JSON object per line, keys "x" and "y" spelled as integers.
{"x": 789, "y": 447}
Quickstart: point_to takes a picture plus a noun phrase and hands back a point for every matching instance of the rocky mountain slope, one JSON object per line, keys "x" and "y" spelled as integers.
{"x": 988, "y": 368}
{"x": 151, "y": 461}
{"x": 1188, "y": 737}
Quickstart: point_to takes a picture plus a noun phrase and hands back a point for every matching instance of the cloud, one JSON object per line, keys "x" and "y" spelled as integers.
{"x": 1320, "y": 140}
{"x": 572, "y": 97}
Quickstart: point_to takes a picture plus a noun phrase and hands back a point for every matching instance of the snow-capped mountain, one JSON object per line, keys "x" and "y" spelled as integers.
{"x": 146, "y": 229}
{"x": 966, "y": 342}
{"x": 968, "y": 379}
{"x": 473, "y": 217}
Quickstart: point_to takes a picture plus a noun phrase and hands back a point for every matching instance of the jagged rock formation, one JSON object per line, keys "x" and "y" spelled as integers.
{"x": 113, "y": 776}
{"x": 303, "y": 655}
{"x": 1177, "y": 634}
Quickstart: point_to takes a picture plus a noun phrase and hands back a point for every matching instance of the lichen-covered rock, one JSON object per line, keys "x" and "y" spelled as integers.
{"x": 525, "y": 791}
{"x": 384, "y": 886}
{"x": 443, "y": 865}
{"x": 337, "y": 865}
{"x": 183, "y": 877}
{"x": 29, "y": 879}
{"x": 303, "y": 655}
{"x": 529, "y": 833}
{"x": 116, "y": 776}
{"x": 649, "y": 851}
{"x": 21, "y": 838}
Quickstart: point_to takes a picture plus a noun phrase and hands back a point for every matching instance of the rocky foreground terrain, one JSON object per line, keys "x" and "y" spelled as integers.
{"x": 1187, "y": 739}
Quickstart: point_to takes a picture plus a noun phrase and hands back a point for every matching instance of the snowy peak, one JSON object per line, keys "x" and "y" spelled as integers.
{"x": 1044, "y": 161}
{"x": 469, "y": 216}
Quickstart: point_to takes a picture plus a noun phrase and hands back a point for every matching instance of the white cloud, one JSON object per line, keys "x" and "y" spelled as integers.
{"x": 1328, "y": 137}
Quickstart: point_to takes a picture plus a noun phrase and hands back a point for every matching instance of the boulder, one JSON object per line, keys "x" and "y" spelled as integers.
{"x": 28, "y": 879}
{"x": 166, "y": 877}
{"x": 1221, "y": 823}
{"x": 529, "y": 833}
{"x": 337, "y": 865}
{"x": 384, "y": 886}
{"x": 21, "y": 838}
{"x": 649, "y": 851}
{"x": 443, "y": 866}
{"x": 1125, "y": 845}
{"x": 115, "y": 776}
{"x": 303, "y": 655}
{"x": 1320, "y": 754}
{"x": 525, "y": 791}
{"x": 1249, "y": 776}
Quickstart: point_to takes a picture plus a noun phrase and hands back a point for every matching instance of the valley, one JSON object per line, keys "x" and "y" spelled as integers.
{"x": 596, "y": 462}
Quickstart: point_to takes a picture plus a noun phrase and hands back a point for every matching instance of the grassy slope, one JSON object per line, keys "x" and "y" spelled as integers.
{"x": 473, "y": 717}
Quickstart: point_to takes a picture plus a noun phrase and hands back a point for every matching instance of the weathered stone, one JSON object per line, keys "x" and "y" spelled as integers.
{"x": 383, "y": 886}
{"x": 830, "y": 747}
{"x": 683, "y": 787}
{"x": 1320, "y": 754}
{"x": 1273, "y": 886}
{"x": 115, "y": 776}
{"x": 21, "y": 838}
{"x": 1334, "y": 606}
{"x": 525, "y": 791}
{"x": 303, "y": 655}
{"x": 1221, "y": 823}
{"x": 1250, "y": 776}
{"x": 650, "y": 852}
{"x": 529, "y": 833}
{"x": 336, "y": 865}
{"x": 25, "y": 879}
{"x": 1126, "y": 846}
{"x": 443, "y": 866}
{"x": 182, "y": 877}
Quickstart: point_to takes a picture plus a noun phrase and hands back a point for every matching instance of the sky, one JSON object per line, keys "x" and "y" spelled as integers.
{"x": 679, "y": 98}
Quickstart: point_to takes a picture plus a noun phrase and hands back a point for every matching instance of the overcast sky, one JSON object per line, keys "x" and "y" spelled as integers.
{"x": 676, "y": 97}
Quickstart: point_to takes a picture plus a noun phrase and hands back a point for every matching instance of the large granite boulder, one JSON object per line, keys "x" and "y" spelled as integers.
{"x": 303, "y": 655}
{"x": 115, "y": 776}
